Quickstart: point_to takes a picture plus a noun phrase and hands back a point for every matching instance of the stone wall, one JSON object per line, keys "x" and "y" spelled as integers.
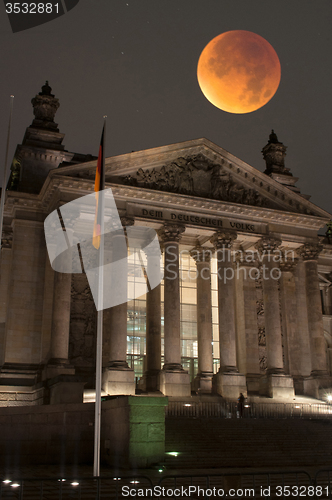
{"x": 50, "y": 434}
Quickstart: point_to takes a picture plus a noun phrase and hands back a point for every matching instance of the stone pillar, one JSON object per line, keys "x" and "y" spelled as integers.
{"x": 246, "y": 324}
{"x": 58, "y": 363}
{"x": 153, "y": 329}
{"x": 328, "y": 300}
{"x": 275, "y": 384}
{"x": 118, "y": 377}
{"x": 203, "y": 380}
{"x": 174, "y": 380}
{"x": 318, "y": 379}
{"x": 228, "y": 381}
{"x": 5, "y": 278}
{"x": 302, "y": 341}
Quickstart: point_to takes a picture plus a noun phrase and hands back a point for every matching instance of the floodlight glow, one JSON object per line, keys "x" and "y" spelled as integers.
{"x": 7, "y": 481}
{"x": 134, "y": 482}
{"x": 329, "y": 397}
{"x": 187, "y": 404}
{"x": 75, "y": 483}
{"x": 15, "y": 485}
{"x": 173, "y": 453}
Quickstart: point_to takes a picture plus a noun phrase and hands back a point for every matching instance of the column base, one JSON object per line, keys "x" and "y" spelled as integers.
{"x": 174, "y": 383}
{"x": 66, "y": 389}
{"x": 229, "y": 385}
{"x": 150, "y": 381}
{"x": 277, "y": 386}
{"x": 253, "y": 380}
{"x": 55, "y": 368}
{"x": 117, "y": 382}
{"x": 203, "y": 382}
{"x": 319, "y": 387}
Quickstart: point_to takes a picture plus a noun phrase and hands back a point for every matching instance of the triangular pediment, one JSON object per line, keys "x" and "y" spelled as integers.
{"x": 201, "y": 169}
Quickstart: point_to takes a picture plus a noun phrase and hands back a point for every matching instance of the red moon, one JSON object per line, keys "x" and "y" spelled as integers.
{"x": 238, "y": 71}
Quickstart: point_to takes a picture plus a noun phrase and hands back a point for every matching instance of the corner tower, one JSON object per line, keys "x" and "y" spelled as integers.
{"x": 41, "y": 149}
{"x": 274, "y": 155}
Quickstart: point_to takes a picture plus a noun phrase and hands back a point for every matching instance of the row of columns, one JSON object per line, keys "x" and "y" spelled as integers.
{"x": 172, "y": 379}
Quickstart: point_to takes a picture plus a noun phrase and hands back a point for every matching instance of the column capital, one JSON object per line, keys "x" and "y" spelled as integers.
{"x": 201, "y": 254}
{"x": 7, "y": 238}
{"x": 310, "y": 251}
{"x": 127, "y": 221}
{"x": 171, "y": 232}
{"x": 287, "y": 264}
{"x": 267, "y": 244}
{"x": 223, "y": 239}
{"x": 152, "y": 251}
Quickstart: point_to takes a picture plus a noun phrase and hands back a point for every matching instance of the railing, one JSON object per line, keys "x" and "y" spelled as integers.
{"x": 94, "y": 488}
{"x": 262, "y": 484}
{"x": 250, "y": 410}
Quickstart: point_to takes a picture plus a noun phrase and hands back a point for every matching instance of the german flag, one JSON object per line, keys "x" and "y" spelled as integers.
{"x": 99, "y": 186}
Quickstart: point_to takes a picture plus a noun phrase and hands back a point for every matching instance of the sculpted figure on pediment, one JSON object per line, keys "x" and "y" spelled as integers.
{"x": 196, "y": 176}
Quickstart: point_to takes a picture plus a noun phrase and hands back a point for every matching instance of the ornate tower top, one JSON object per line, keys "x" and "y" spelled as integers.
{"x": 274, "y": 155}
{"x": 45, "y": 105}
{"x": 46, "y": 90}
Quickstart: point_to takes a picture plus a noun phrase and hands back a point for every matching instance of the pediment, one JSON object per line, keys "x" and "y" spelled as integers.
{"x": 200, "y": 169}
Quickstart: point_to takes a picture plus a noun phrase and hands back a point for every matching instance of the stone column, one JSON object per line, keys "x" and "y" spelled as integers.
{"x": 203, "y": 380}
{"x": 275, "y": 384}
{"x": 319, "y": 372}
{"x": 328, "y": 307}
{"x": 153, "y": 328}
{"x": 58, "y": 363}
{"x": 5, "y": 279}
{"x": 246, "y": 323}
{"x": 227, "y": 382}
{"x": 302, "y": 333}
{"x": 118, "y": 377}
{"x": 174, "y": 380}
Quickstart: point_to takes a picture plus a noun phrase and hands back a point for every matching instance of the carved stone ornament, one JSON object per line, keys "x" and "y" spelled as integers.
{"x": 196, "y": 176}
{"x": 82, "y": 323}
{"x": 288, "y": 263}
{"x": 45, "y": 105}
{"x": 223, "y": 239}
{"x": 127, "y": 221}
{"x": 260, "y": 307}
{"x": 171, "y": 232}
{"x": 261, "y": 337}
{"x": 7, "y": 238}
{"x": 267, "y": 245}
{"x": 201, "y": 254}
{"x": 310, "y": 251}
{"x": 262, "y": 363}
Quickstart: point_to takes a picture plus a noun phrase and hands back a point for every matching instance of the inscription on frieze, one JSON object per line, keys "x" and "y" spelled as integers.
{"x": 193, "y": 218}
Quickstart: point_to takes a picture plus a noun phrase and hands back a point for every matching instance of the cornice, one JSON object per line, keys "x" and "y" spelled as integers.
{"x": 57, "y": 185}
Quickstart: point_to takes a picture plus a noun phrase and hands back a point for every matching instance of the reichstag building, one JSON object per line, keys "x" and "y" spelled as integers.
{"x": 245, "y": 304}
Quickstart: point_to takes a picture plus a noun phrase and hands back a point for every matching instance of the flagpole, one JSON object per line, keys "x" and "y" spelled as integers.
{"x": 4, "y": 182}
{"x": 99, "y": 347}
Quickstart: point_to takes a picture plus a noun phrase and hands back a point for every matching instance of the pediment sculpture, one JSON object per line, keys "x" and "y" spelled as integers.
{"x": 196, "y": 176}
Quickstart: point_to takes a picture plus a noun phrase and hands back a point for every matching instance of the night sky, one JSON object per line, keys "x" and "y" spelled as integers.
{"x": 136, "y": 60}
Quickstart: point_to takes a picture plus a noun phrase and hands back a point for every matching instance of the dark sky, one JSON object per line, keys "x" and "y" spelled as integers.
{"x": 136, "y": 60}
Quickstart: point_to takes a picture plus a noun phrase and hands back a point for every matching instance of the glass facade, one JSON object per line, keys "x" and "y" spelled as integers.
{"x": 136, "y": 321}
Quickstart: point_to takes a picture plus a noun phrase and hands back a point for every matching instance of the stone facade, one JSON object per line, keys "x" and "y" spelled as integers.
{"x": 260, "y": 305}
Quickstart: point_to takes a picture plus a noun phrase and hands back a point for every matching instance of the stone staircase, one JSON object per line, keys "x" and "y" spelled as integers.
{"x": 214, "y": 443}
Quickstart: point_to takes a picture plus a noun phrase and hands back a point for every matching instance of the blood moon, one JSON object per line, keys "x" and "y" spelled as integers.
{"x": 238, "y": 71}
